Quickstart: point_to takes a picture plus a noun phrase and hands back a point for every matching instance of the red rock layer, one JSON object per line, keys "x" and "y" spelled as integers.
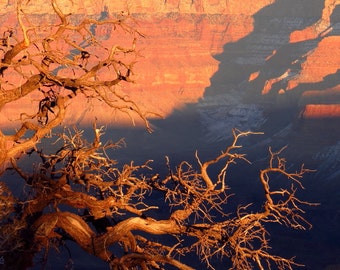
{"x": 320, "y": 28}
{"x": 322, "y": 62}
{"x": 181, "y": 39}
{"x": 321, "y": 68}
{"x": 321, "y": 111}
{"x": 177, "y": 64}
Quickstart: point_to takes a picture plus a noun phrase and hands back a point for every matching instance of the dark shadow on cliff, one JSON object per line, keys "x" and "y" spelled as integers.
{"x": 268, "y": 53}
{"x": 233, "y": 100}
{"x": 328, "y": 82}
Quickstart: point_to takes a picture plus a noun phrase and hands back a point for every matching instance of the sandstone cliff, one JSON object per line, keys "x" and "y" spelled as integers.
{"x": 194, "y": 46}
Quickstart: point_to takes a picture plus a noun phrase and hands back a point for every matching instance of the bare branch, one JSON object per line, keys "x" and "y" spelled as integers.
{"x": 113, "y": 210}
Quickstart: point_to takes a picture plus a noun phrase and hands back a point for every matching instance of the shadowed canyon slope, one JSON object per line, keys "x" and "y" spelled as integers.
{"x": 270, "y": 47}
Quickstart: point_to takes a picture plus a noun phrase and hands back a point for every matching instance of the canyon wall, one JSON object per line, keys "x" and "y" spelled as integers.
{"x": 192, "y": 47}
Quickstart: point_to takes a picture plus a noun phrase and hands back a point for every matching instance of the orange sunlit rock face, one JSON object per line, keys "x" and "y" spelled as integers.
{"x": 318, "y": 68}
{"x": 320, "y": 28}
{"x": 321, "y": 68}
{"x": 321, "y": 111}
{"x": 322, "y": 62}
{"x": 178, "y": 48}
{"x": 181, "y": 39}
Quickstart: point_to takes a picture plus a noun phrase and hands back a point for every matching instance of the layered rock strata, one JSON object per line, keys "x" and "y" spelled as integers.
{"x": 276, "y": 46}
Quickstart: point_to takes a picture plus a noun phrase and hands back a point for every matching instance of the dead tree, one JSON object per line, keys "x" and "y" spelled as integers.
{"x": 78, "y": 193}
{"x": 112, "y": 217}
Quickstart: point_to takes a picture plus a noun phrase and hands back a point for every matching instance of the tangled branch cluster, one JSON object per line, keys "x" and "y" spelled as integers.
{"x": 110, "y": 213}
{"x": 77, "y": 192}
